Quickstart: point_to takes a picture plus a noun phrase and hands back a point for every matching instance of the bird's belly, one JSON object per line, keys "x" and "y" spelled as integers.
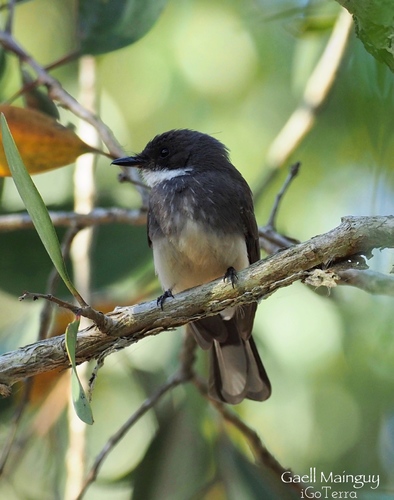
{"x": 195, "y": 256}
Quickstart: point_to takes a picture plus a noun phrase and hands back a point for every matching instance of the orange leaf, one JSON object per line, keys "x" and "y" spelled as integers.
{"x": 43, "y": 142}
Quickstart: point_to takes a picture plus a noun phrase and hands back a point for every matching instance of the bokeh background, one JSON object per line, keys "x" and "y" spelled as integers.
{"x": 237, "y": 70}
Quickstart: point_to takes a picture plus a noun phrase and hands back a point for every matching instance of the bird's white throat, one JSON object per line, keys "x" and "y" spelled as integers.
{"x": 154, "y": 177}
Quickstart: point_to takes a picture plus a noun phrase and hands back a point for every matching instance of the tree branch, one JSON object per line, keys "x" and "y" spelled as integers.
{"x": 370, "y": 281}
{"x": 13, "y": 222}
{"x": 355, "y": 235}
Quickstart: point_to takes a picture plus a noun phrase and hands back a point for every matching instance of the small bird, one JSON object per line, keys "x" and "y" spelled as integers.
{"x": 201, "y": 226}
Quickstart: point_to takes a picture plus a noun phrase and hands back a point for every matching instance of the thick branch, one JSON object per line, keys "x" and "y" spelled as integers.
{"x": 355, "y": 235}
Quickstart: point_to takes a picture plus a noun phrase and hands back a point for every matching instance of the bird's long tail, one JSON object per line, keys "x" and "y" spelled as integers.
{"x": 236, "y": 370}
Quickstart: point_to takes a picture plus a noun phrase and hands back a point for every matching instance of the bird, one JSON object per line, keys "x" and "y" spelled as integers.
{"x": 201, "y": 226}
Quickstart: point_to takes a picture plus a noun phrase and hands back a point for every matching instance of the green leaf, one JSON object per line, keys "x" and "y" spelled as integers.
{"x": 1, "y": 190}
{"x": 374, "y": 27}
{"x": 36, "y": 98}
{"x": 80, "y": 401}
{"x": 35, "y": 206}
{"x": 107, "y": 26}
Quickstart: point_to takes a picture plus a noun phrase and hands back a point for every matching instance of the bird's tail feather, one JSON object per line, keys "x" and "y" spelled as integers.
{"x": 236, "y": 370}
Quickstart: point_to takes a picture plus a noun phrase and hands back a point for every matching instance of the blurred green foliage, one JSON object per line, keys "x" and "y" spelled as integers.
{"x": 234, "y": 69}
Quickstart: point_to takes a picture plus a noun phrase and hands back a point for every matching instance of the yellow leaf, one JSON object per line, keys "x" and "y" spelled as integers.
{"x": 43, "y": 142}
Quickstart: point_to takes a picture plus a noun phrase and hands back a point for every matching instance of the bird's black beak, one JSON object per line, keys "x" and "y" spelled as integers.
{"x": 128, "y": 161}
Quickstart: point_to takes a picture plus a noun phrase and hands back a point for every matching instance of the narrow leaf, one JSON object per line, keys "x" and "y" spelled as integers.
{"x": 80, "y": 401}
{"x": 35, "y": 206}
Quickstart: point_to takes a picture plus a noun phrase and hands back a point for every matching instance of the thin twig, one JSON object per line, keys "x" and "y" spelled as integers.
{"x": 270, "y": 240}
{"x": 51, "y": 298}
{"x": 103, "y": 322}
{"x": 293, "y": 172}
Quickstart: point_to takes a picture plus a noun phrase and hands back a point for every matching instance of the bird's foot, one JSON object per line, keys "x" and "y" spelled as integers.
{"x": 231, "y": 275}
{"x": 160, "y": 300}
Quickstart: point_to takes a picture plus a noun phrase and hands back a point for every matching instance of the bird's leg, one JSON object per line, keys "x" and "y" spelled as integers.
{"x": 231, "y": 275}
{"x": 160, "y": 300}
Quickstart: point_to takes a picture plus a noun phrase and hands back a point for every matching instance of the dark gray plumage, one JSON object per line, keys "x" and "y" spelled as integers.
{"x": 201, "y": 223}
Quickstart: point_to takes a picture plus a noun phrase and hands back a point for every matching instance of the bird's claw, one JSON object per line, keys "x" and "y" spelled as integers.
{"x": 231, "y": 275}
{"x": 160, "y": 300}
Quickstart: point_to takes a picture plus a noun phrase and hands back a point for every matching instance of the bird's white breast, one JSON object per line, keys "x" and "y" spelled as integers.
{"x": 196, "y": 256}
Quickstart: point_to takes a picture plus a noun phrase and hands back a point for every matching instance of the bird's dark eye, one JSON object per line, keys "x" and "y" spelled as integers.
{"x": 164, "y": 152}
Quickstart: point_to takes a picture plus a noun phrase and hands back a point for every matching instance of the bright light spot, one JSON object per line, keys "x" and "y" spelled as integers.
{"x": 139, "y": 79}
{"x": 215, "y": 53}
{"x": 338, "y": 414}
{"x": 301, "y": 328}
